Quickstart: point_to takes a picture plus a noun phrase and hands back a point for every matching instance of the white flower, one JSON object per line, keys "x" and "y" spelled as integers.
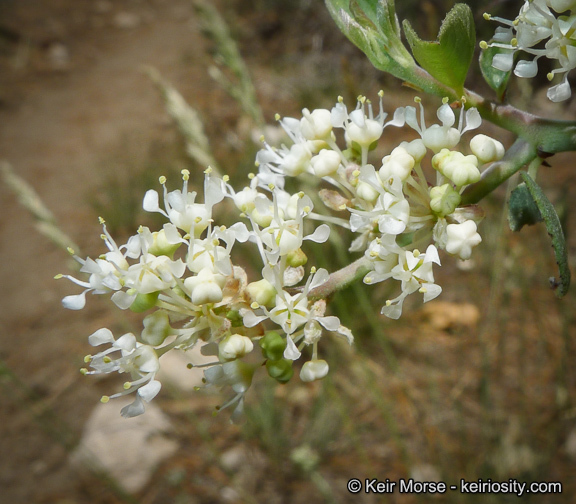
{"x": 414, "y": 271}
{"x": 181, "y": 207}
{"x": 461, "y": 238}
{"x": 536, "y": 26}
{"x": 140, "y": 361}
{"x": 445, "y": 136}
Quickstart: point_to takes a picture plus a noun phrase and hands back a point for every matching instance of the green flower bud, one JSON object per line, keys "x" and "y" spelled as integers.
{"x": 161, "y": 246}
{"x": 273, "y": 346}
{"x": 444, "y": 199}
{"x": 156, "y": 328}
{"x": 281, "y": 370}
{"x": 262, "y": 292}
{"x": 296, "y": 258}
{"x": 144, "y": 302}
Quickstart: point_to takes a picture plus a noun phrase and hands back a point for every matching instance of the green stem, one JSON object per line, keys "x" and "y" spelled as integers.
{"x": 520, "y": 154}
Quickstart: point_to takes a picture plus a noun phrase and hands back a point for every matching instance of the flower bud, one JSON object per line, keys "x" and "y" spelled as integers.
{"x": 415, "y": 148}
{"x": 325, "y": 163}
{"x": 296, "y": 161}
{"x": 461, "y": 169}
{"x": 273, "y": 346}
{"x": 281, "y": 370}
{"x": 144, "y": 302}
{"x": 486, "y": 149}
{"x": 234, "y": 346}
{"x": 314, "y": 370}
{"x": 161, "y": 245}
{"x": 398, "y": 164}
{"x": 205, "y": 287}
{"x": 462, "y": 238}
{"x": 316, "y": 125}
{"x": 296, "y": 258}
{"x": 156, "y": 328}
{"x": 366, "y": 192}
{"x": 262, "y": 292}
{"x": 444, "y": 199}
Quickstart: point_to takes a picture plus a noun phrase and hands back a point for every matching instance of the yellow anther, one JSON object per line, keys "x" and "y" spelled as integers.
{"x": 417, "y": 99}
{"x": 70, "y": 250}
{"x": 342, "y": 206}
{"x": 162, "y": 179}
{"x": 225, "y": 178}
{"x": 83, "y": 371}
{"x": 388, "y": 303}
{"x": 271, "y": 186}
{"x": 104, "y": 399}
{"x": 198, "y": 220}
{"x": 277, "y": 117}
{"x": 483, "y": 44}
{"x": 215, "y": 242}
{"x": 185, "y": 174}
{"x": 368, "y": 280}
{"x": 356, "y": 173}
{"x": 423, "y": 290}
{"x": 307, "y": 209}
{"x": 251, "y": 176}
{"x": 486, "y": 16}
{"x": 254, "y": 305}
{"x": 140, "y": 229}
{"x": 416, "y": 252}
{"x": 127, "y": 385}
{"x": 550, "y": 76}
{"x": 58, "y": 276}
{"x": 445, "y": 100}
{"x": 381, "y": 93}
{"x": 514, "y": 42}
{"x": 373, "y": 253}
{"x": 101, "y": 220}
{"x": 301, "y": 194}
{"x": 222, "y": 227}
{"x": 340, "y": 99}
{"x": 313, "y": 269}
{"x": 256, "y": 164}
{"x": 87, "y": 358}
{"x": 208, "y": 170}
{"x": 107, "y": 360}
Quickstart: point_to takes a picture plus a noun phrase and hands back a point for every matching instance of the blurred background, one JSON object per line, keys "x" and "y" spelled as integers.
{"x": 478, "y": 384}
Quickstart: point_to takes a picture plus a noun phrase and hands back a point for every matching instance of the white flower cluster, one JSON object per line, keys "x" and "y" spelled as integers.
{"x": 391, "y": 205}
{"x": 542, "y": 28}
{"x": 185, "y": 272}
{"x": 185, "y": 277}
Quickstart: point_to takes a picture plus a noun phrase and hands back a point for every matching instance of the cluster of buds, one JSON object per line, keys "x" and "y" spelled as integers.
{"x": 543, "y": 28}
{"x": 185, "y": 277}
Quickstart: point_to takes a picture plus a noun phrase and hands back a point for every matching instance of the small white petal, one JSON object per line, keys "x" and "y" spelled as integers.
{"x": 291, "y": 352}
{"x": 330, "y": 323}
{"x": 150, "y": 390}
{"x": 320, "y": 234}
{"x": 526, "y": 69}
{"x": 100, "y": 337}
{"x": 150, "y": 203}
{"x": 134, "y": 409}
{"x": 560, "y": 92}
{"x": 76, "y": 302}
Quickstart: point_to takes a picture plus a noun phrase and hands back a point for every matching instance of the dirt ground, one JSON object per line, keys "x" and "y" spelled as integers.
{"x": 76, "y": 109}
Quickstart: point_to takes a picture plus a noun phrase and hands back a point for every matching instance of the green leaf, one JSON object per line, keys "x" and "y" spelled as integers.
{"x": 496, "y": 79}
{"x": 448, "y": 58}
{"x": 522, "y": 209}
{"x": 555, "y": 231}
{"x": 373, "y": 27}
